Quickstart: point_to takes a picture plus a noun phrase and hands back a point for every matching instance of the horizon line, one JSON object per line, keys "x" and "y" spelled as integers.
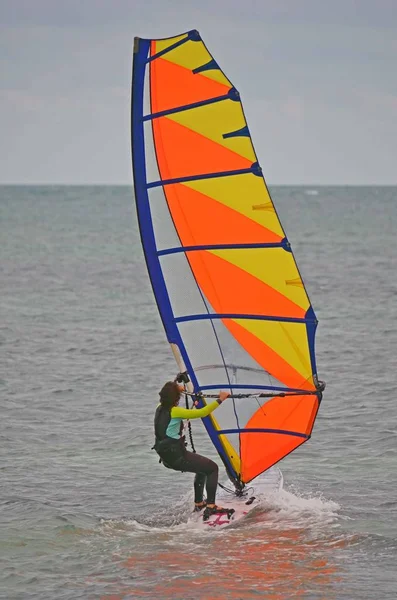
{"x": 311, "y": 185}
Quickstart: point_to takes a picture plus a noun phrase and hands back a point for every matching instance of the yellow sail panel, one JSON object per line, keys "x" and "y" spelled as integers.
{"x": 232, "y": 454}
{"x": 281, "y": 348}
{"x": 230, "y": 451}
{"x": 273, "y": 266}
{"x": 242, "y": 193}
{"x": 193, "y": 55}
{"x": 202, "y": 219}
{"x": 220, "y": 122}
{"x": 159, "y": 45}
{"x": 250, "y": 296}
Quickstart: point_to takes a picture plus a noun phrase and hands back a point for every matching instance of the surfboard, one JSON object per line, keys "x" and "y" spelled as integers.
{"x": 232, "y": 301}
{"x": 266, "y": 486}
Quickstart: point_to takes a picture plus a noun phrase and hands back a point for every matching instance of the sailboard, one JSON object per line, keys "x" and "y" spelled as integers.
{"x": 231, "y": 298}
{"x": 266, "y": 487}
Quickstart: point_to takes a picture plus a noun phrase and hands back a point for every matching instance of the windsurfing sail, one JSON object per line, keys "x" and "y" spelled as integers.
{"x": 230, "y": 296}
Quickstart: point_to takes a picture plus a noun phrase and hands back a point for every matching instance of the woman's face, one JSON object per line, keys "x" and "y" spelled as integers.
{"x": 180, "y": 389}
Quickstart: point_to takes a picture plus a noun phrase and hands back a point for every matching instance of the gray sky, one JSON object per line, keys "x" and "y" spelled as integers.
{"x": 317, "y": 79}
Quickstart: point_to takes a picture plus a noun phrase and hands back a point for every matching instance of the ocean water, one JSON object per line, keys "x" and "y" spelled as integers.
{"x": 86, "y": 511}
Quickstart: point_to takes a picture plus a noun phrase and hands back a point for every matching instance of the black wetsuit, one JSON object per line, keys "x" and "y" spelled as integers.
{"x": 173, "y": 453}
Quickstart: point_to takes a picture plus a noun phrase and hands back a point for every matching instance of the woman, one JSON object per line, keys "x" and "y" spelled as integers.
{"x": 170, "y": 445}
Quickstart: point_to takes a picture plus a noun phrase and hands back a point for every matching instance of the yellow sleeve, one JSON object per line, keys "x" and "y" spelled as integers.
{"x": 193, "y": 413}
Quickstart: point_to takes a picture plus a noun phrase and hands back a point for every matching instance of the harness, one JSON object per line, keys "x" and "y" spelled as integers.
{"x": 170, "y": 450}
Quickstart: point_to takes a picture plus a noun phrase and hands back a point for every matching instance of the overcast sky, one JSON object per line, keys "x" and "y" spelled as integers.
{"x": 318, "y": 80}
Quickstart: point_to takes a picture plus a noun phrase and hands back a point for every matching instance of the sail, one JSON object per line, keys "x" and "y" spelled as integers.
{"x": 229, "y": 292}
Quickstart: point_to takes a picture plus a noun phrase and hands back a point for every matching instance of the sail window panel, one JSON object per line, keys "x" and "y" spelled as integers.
{"x": 225, "y": 416}
{"x": 152, "y": 170}
{"x": 210, "y": 375}
{"x": 252, "y": 391}
{"x": 203, "y": 350}
{"x": 184, "y": 294}
{"x": 163, "y": 226}
{"x": 246, "y": 408}
{"x": 242, "y": 368}
{"x": 146, "y": 93}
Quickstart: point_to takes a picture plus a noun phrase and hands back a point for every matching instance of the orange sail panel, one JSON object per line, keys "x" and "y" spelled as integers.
{"x": 182, "y": 152}
{"x": 202, "y": 219}
{"x": 177, "y": 86}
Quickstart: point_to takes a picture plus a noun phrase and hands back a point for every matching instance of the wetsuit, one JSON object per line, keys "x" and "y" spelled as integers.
{"x": 170, "y": 446}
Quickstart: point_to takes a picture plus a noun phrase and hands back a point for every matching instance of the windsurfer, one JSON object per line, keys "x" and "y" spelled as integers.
{"x": 170, "y": 445}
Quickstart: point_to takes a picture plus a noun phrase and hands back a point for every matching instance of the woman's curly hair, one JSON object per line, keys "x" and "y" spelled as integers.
{"x": 170, "y": 394}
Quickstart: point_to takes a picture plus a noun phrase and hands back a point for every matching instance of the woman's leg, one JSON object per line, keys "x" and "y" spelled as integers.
{"x": 199, "y": 483}
{"x": 202, "y": 466}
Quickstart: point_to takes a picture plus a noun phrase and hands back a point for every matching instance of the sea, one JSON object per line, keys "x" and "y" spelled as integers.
{"x": 86, "y": 510}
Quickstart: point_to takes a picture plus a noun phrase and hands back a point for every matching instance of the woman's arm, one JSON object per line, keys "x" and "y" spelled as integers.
{"x": 193, "y": 413}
